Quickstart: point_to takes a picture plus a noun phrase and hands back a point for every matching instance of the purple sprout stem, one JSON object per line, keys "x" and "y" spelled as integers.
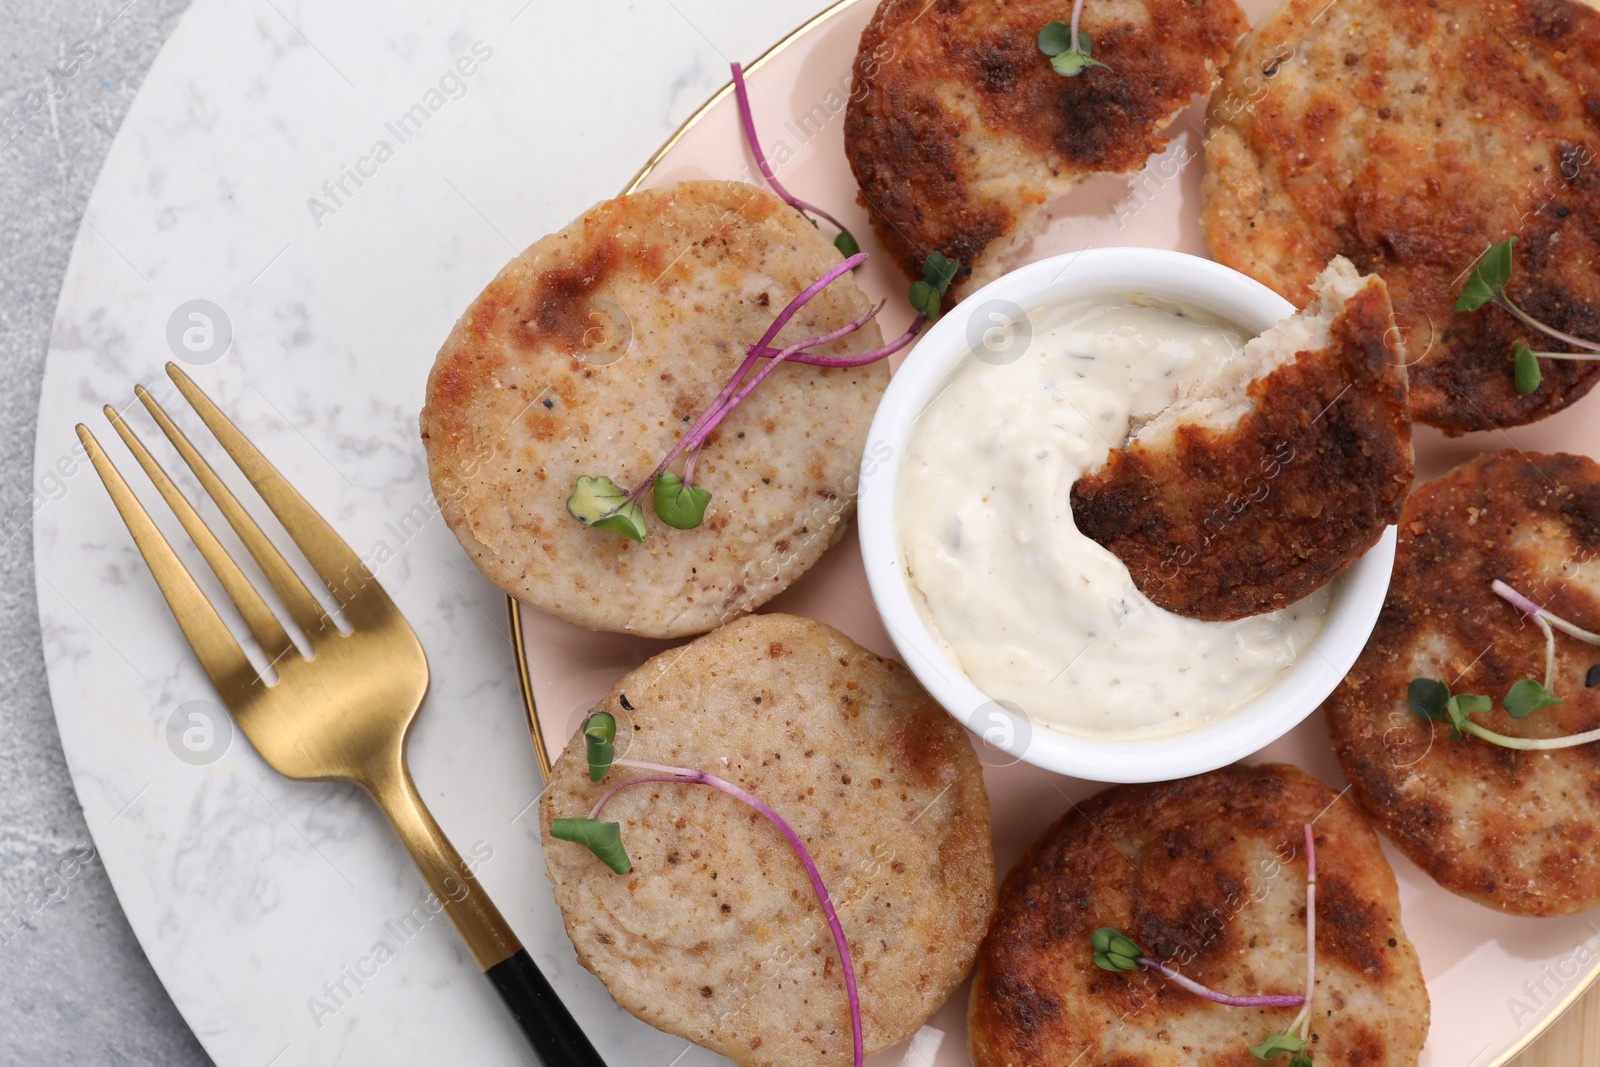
{"x": 663, "y": 773}
{"x": 727, "y": 395}
{"x": 839, "y": 270}
{"x": 605, "y": 797}
{"x": 1302, "y": 1022}
{"x": 1535, "y": 612}
{"x": 1526, "y": 319}
{"x": 707, "y": 427}
{"x": 1077, "y": 16}
{"x": 726, "y": 402}
{"x": 1285, "y": 1000}
{"x": 747, "y": 120}
{"x": 814, "y": 360}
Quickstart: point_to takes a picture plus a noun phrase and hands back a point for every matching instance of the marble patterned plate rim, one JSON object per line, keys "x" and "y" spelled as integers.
{"x": 541, "y": 744}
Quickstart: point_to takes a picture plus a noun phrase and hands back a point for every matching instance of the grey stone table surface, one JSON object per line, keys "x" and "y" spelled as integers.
{"x": 74, "y": 986}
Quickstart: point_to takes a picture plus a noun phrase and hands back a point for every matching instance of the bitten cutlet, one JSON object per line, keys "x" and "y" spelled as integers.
{"x": 1263, "y": 483}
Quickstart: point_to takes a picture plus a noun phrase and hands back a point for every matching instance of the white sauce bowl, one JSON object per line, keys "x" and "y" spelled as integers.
{"x": 1357, "y": 594}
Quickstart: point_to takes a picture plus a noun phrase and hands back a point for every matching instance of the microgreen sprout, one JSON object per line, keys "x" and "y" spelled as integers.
{"x": 845, "y": 242}
{"x": 1431, "y": 699}
{"x": 1069, "y": 47}
{"x": 601, "y": 503}
{"x": 1295, "y": 1039}
{"x": 1487, "y": 285}
{"x": 1115, "y": 951}
{"x": 604, "y": 839}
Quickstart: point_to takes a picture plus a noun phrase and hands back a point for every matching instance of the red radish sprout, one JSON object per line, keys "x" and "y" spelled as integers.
{"x": 1287, "y": 1000}
{"x": 747, "y": 120}
{"x": 664, "y": 773}
{"x": 1538, "y": 614}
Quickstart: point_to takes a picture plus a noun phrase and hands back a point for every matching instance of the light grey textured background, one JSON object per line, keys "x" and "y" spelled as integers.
{"x": 74, "y": 986}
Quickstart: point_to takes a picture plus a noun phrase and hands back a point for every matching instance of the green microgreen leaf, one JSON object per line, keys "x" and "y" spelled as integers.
{"x": 1301, "y": 1059}
{"x": 939, "y": 271}
{"x": 927, "y": 295}
{"x": 1072, "y": 64}
{"x": 1428, "y": 697}
{"x": 1068, "y": 58}
{"x": 1527, "y": 697}
{"x": 1276, "y": 1043}
{"x": 1526, "y": 374}
{"x": 600, "y": 743}
{"x": 679, "y": 504}
{"x": 1055, "y": 38}
{"x": 1489, "y": 277}
{"x": 1113, "y": 951}
{"x": 602, "y": 504}
{"x": 604, "y": 839}
{"x": 847, "y": 244}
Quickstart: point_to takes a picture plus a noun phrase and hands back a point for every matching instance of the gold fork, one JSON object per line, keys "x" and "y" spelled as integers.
{"x": 344, "y": 712}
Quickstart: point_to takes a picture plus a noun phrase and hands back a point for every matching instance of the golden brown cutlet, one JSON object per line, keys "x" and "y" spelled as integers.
{"x": 1512, "y": 830}
{"x": 1409, "y": 135}
{"x": 593, "y": 351}
{"x": 716, "y": 934}
{"x": 1208, "y": 875}
{"x": 959, "y": 132}
{"x": 1220, "y": 518}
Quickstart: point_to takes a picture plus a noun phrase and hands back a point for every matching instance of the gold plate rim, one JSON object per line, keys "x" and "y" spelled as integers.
{"x": 541, "y": 749}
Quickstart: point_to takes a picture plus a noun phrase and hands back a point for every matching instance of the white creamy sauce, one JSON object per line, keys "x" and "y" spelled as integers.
{"x": 1035, "y": 613}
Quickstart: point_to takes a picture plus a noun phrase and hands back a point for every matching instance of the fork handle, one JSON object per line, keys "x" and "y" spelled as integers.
{"x": 554, "y": 1034}
{"x": 551, "y": 1030}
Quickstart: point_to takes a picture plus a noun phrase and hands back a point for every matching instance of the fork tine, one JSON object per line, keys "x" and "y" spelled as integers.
{"x": 303, "y": 607}
{"x": 361, "y": 597}
{"x": 269, "y": 633}
{"x": 224, "y": 661}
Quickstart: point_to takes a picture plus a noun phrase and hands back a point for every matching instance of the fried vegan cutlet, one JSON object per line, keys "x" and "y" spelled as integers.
{"x": 1410, "y": 135}
{"x": 960, "y": 133}
{"x": 1207, "y": 874}
{"x": 1514, "y": 830}
{"x": 1263, "y": 483}
{"x": 593, "y": 351}
{"x": 716, "y": 934}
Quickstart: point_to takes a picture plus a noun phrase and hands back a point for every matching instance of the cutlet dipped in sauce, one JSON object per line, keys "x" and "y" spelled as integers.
{"x": 1034, "y": 612}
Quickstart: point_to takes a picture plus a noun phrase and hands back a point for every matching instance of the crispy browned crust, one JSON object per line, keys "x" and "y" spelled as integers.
{"x": 1208, "y": 875}
{"x": 716, "y": 934}
{"x": 1223, "y": 523}
{"x": 593, "y": 351}
{"x": 1409, "y": 135}
{"x": 954, "y": 93}
{"x": 1513, "y": 830}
